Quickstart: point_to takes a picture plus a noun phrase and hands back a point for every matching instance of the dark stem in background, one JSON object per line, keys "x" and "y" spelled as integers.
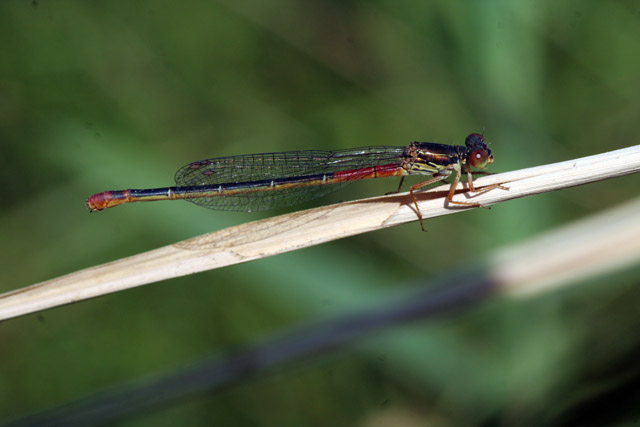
{"x": 218, "y": 372}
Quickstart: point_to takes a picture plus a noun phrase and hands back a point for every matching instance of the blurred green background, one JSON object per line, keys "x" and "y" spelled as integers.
{"x": 100, "y": 95}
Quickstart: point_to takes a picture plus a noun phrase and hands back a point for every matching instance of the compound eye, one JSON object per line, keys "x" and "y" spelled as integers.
{"x": 479, "y": 158}
{"x": 474, "y": 139}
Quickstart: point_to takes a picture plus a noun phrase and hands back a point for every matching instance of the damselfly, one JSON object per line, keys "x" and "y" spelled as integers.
{"x": 264, "y": 181}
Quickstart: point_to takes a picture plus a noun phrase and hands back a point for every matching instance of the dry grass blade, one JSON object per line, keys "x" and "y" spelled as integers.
{"x": 301, "y": 229}
{"x": 588, "y": 248}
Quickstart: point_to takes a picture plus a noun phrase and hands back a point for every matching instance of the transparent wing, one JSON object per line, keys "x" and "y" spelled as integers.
{"x": 257, "y": 173}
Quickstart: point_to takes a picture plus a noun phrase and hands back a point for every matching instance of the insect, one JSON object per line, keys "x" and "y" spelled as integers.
{"x": 256, "y": 182}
